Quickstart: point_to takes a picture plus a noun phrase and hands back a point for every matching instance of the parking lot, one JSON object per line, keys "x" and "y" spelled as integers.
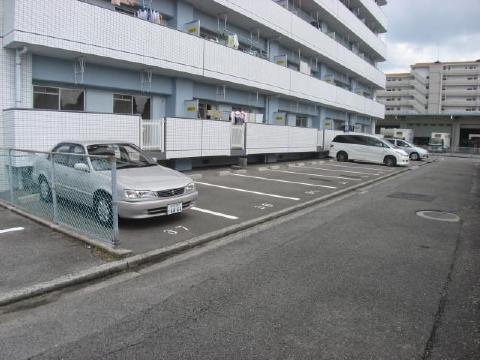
{"x": 228, "y": 197}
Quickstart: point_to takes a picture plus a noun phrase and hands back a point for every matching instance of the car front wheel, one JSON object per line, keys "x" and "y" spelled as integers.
{"x": 342, "y": 156}
{"x": 390, "y": 161}
{"x": 103, "y": 209}
{"x": 414, "y": 156}
{"x": 45, "y": 191}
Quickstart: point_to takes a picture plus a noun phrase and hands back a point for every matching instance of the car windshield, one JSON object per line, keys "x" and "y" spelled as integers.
{"x": 406, "y": 143}
{"x": 126, "y": 156}
{"x": 436, "y": 141}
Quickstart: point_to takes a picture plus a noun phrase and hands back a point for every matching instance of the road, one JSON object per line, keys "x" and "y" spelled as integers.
{"x": 361, "y": 277}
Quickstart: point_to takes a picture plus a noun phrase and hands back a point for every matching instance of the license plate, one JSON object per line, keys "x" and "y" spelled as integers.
{"x": 174, "y": 208}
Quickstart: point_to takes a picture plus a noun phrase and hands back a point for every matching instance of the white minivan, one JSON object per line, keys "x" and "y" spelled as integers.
{"x": 366, "y": 148}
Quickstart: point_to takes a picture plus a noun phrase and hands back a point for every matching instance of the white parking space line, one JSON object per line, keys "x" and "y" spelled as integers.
{"x": 355, "y": 167}
{"x": 231, "y": 217}
{"x": 285, "y": 181}
{"x": 11, "y": 230}
{"x": 317, "y": 175}
{"x": 348, "y": 171}
{"x": 248, "y": 191}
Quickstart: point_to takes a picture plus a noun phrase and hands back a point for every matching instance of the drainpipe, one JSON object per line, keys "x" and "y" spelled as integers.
{"x": 18, "y": 75}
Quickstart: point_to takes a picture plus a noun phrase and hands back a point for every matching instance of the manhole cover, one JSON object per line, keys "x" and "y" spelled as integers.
{"x": 411, "y": 196}
{"x": 438, "y": 215}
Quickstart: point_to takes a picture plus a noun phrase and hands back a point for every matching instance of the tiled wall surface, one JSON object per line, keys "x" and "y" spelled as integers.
{"x": 70, "y": 26}
{"x": 22, "y": 130}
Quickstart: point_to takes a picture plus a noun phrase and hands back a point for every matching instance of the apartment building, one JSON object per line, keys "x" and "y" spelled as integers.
{"x": 435, "y": 97}
{"x": 181, "y": 77}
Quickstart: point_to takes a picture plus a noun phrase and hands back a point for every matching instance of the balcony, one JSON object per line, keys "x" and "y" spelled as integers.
{"x": 40, "y": 130}
{"x": 407, "y": 102}
{"x": 69, "y": 27}
{"x": 338, "y": 14}
{"x": 461, "y": 71}
{"x": 404, "y": 92}
{"x": 460, "y": 102}
{"x": 376, "y": 13}
{"x": 461, "y": 81}
{"x": 461, "y": 92}
{"x": 268, "y": 16}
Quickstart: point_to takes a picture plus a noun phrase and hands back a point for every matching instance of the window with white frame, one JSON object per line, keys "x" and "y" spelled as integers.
{"x": 54, "y": 98}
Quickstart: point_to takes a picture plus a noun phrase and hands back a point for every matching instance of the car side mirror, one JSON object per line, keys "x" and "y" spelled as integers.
{"x": 81, "y": 167}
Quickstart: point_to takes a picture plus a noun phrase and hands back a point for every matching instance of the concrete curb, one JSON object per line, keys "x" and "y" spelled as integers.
{"x": 116, "y": 252}
{"x": 159, "y": 254}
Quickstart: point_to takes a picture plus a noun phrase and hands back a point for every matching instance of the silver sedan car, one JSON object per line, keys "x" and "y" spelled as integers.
{"x": 414, "y": 152}
{"x": 83, "y": 175}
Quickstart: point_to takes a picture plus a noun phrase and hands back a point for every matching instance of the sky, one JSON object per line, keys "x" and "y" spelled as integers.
{"x": 431, "y": 30}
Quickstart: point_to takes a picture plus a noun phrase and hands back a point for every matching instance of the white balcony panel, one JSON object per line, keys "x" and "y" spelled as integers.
{"x": 320, "y": 91}
{"x": 216, "y": 138}
{"x": 354, "y": 24}
{"x": 194, "y": 138}
{"x": 360, "y": 66}
{"x": 305, "y": 33}
{"x": 234, "y": 66}
{"x": 263, "y": 139}
{"x": 183, "y": 138}
{"x": 375, "y": 10}
{"x": 313, "y": 89}
{"x": 277, "y": 18}
{"x": 41, "y": 129}
{"x": 302, "y": 139}
{"x": 74, "y": 26}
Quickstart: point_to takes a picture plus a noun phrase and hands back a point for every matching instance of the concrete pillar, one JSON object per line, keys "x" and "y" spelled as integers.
{"x": 182, "y": 91}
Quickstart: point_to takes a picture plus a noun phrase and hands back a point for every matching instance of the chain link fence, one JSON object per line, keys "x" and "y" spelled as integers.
{"x": 62, "y": 188}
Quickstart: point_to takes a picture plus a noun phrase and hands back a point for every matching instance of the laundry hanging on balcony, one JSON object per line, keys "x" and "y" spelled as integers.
{"x": 150, "y": 15}
{"x": 125, "y": 2}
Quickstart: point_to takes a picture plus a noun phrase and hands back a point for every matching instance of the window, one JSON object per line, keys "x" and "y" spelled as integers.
{"x": 122, "y": 104}
{"x": 132, "y": 104}
{"x": 45, "y": 97}
{"x": 52, "y": 98}
{"x": 77, "y": 149}
{"x": 342, "y": 139}
{"x": 63, "y": 158}
{"x": 72, "y": 99}
{"x": 301, "y": 121}
{"x": 372, "y": 142}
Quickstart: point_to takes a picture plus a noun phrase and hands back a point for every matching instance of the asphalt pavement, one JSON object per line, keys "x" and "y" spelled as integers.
{"x": 360, "y": 277}
{"x": 31, "y": 253}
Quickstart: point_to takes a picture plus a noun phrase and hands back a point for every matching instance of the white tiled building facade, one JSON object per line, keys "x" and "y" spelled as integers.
{"x": 171, "y": 75}
{"x": 435, "y": 97}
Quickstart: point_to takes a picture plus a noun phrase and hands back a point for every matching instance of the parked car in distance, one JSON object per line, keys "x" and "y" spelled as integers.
{"x": 144, "y": 188}
{"x": 367, "y": 148}
{"x": 415, "y": 152}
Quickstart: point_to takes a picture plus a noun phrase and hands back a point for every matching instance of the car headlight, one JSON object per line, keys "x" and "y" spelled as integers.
{"x": 190, "y": 187}
{"x": 139, "y": 194}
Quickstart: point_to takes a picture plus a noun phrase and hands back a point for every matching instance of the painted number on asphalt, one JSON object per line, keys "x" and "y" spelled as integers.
{"x": 175, "y": 232}
{"x": 263, "y": 206}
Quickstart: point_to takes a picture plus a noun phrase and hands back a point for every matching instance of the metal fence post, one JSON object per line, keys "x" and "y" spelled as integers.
{"x": 53, "y": 190}
{"x": 323, "y": 141}
{"x": 10, "y": 176}
{"x": 115, "y": 239}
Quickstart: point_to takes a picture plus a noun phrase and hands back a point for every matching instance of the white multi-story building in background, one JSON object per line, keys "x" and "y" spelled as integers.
{"x": 442, "y": 97}
{"x": 172, "y": 75}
